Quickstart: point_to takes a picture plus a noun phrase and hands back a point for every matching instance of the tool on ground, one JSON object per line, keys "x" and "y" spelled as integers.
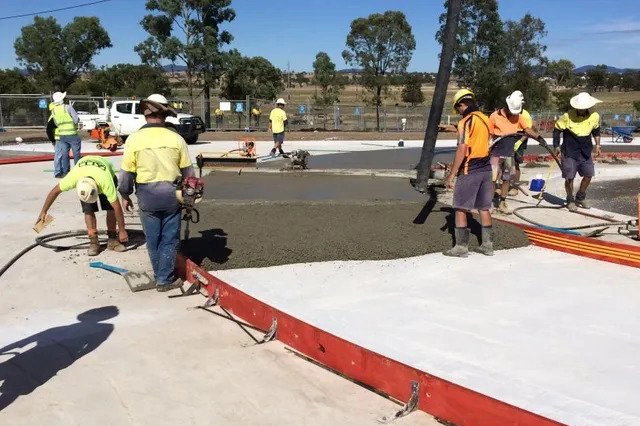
{"x": 137, "y": 281}
{"x": 299, "y": 158}
{"x": 189, "y": 192}
{"x": 43, "y": 223}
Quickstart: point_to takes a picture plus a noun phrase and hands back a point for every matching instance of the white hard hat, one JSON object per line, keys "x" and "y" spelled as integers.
{"x": 583, "y": 100}
{"x": 280, "y": 101}
{"x": 58, "y": 97}
{"x": 515, "y": 101}
{"x": 87, "y": 190}
{"x": 156, "y": 103}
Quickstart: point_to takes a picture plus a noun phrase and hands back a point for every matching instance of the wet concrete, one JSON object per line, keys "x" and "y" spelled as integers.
{"x": 4, "y": 153}
{"x": 619, "y": 196}
{"x": 352, "y": 218}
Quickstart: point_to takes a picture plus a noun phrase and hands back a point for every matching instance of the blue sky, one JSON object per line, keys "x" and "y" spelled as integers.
{"x": 287, "y": 31}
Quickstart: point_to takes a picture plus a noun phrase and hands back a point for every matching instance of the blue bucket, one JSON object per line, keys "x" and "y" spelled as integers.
{"x": 536, "y": 185}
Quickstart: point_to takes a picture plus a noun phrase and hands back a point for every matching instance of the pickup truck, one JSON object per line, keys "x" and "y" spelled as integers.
{"x": 124, "y": 117}
{"x": 127, "y": 118}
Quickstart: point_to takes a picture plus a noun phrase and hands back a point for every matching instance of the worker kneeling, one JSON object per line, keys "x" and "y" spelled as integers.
{"x": 472, "y": 170}
{"x": 95, "y": 181}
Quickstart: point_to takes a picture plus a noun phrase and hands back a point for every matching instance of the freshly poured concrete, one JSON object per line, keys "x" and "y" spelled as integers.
{"x": 552, "y": 333}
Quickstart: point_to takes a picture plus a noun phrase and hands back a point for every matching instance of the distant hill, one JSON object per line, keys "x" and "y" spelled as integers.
{"x": 610, "y": 69}
{"x": 175, "y": 68}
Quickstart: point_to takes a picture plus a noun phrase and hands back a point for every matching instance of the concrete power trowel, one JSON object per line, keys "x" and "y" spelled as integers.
{"x": 189, "y": 192}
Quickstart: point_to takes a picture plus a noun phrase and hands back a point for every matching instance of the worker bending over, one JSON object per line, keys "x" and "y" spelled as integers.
{"x": 472, "y": 173}
{"x": 504, "y": 125}
{"x": 577, "y": 127}
{"x": 94, "y": 179}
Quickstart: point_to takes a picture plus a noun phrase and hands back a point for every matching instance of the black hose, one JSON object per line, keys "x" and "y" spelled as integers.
{"x": 44, "y": 241}
{"x": 560, "y": 228}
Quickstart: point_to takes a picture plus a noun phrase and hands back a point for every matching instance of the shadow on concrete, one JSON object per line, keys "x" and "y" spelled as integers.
{"x": 49, "y": 352}
{"x": 210, "y": 245}
{"x": 422, "y": 217}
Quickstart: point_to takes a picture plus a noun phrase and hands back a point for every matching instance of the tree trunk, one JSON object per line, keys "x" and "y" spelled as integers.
{"x": 207, "y": 105}
{"x": 442, "y": 81}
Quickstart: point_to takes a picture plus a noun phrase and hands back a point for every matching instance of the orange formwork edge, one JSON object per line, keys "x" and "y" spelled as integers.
{"x": 438, "y": 397}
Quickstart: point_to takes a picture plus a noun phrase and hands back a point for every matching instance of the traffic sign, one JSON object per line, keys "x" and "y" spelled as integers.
{"x": 239, "y": 107}
{"x": 302, "y": 109}
{"x": 356, "y": 111}
{"x": 42, "y": 103}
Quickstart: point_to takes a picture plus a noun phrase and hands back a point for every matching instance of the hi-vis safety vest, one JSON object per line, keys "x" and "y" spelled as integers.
{"x": 64, "y": 121}
{"x": 474, "y": 133}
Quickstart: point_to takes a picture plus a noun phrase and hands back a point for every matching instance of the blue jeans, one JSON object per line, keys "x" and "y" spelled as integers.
{"x": 162, "y": 231}
{"x": 61, "y": 164}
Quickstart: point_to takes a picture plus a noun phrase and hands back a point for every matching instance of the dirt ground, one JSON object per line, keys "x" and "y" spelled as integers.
{"x": 384, "y": 219}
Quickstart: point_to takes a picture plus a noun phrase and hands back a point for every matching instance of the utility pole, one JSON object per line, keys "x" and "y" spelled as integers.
{"x": 442, "y": 82}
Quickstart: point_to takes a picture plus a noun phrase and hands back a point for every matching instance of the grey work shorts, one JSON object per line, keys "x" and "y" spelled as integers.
{"x": 582, "y": 166}
{"x": 473, "y": 191}
{"x": 278, "y": 137}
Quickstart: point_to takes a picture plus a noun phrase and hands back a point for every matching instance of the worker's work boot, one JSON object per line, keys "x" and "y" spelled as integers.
{"x": 503, "y": 207}
{"x": 513, "y": 191}
{"x": 581, "y": 202}
{"x": 461, "y": 249}
{"x": 113, "y": 244}
{"x": 571, "y": 205}
{"x": 94, "y": 246}
{"x": 486, "y": 247}
{"x": 177, "y": 283}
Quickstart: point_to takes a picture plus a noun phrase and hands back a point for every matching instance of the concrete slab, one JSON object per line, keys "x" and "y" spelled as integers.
{"x": 560, "y": 342}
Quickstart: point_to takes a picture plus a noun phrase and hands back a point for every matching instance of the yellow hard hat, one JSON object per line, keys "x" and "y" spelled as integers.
{"x": 460, "y": 95}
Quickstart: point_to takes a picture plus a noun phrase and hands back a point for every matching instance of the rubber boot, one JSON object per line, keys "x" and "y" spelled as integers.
{"x": 486, "y": 247}
{"x": 94, "y": 246}
{"x": 503, "y": 207}
{"x": 461, "y": 249}
{"x": 580, "y": 200}
{"x": 571, "y": 204}
{"x": 113, "y": 244}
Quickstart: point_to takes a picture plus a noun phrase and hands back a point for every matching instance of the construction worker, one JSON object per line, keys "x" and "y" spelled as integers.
{"x": 219, "y": 115}
{"x": 51, "y": 129}
{"x": 94, "y": 179}
{"x": 472, "y": 173}
{"x": 255, "y": 113}
{"x": 520, "y": 148}
{"x": 154, "y": 157}
{"x": 578, "y": 127}
{"x": 65, "y": 119}
{"x": 277, "y": 125}
{"x": 504, "y": 123}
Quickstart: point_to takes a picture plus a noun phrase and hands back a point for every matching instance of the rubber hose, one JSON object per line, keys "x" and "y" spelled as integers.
{"x": 566, "y": 228}
{"x": 44, "y": 241}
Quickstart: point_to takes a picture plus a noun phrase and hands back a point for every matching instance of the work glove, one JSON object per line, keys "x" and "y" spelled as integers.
{"x": 542, "y": 141}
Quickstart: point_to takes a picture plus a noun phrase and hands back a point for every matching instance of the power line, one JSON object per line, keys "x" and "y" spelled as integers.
{"x": 53, "y": 10}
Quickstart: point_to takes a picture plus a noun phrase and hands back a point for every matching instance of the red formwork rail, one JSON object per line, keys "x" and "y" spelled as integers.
{"x": 605, "y": 155}
{"x": 49, "y": 157}
{"x": 437, "y": 396}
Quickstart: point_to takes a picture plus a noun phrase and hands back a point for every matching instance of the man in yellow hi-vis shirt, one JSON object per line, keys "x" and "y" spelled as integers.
{"x": 94, "y": 179}
{"x": 277, "y": 125}
{"x": 154, "y": 157}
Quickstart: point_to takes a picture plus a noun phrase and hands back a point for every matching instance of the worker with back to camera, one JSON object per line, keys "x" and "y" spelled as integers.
{"x": 504, "y": 123}
{"x": 154, "y": 158}
{"x": 520, "y": 147}
{"x": 94, "y": 179}
{"x": 578, "y": 127}
{"x": 471, "y": 170}
{"x": 277, "y": 125}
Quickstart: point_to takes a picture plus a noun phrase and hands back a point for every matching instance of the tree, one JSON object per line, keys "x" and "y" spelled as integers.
{"x": 561, "y": 71}
{"x": 628, "y": 81}
{"x": 596, "y": 77}
{"x": 447, "y": 36}
{"x": 128, "y": 80}
{"x": 255, "y": 77}
{"x": 562, "y": 100}
{"x": 188, "y": 31}
{"x": 613, "y": 80}
{"x": 301, "y": 79}
{"x": 13, "y": 81}
{"x": 56, "y": 56}
{"x": 379, "y": 44}
{"x": 328, "y": 80}
{"x": 525, "y": 60}
{"x": 412, "y": 91}
{"x": 479, "y": 60}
